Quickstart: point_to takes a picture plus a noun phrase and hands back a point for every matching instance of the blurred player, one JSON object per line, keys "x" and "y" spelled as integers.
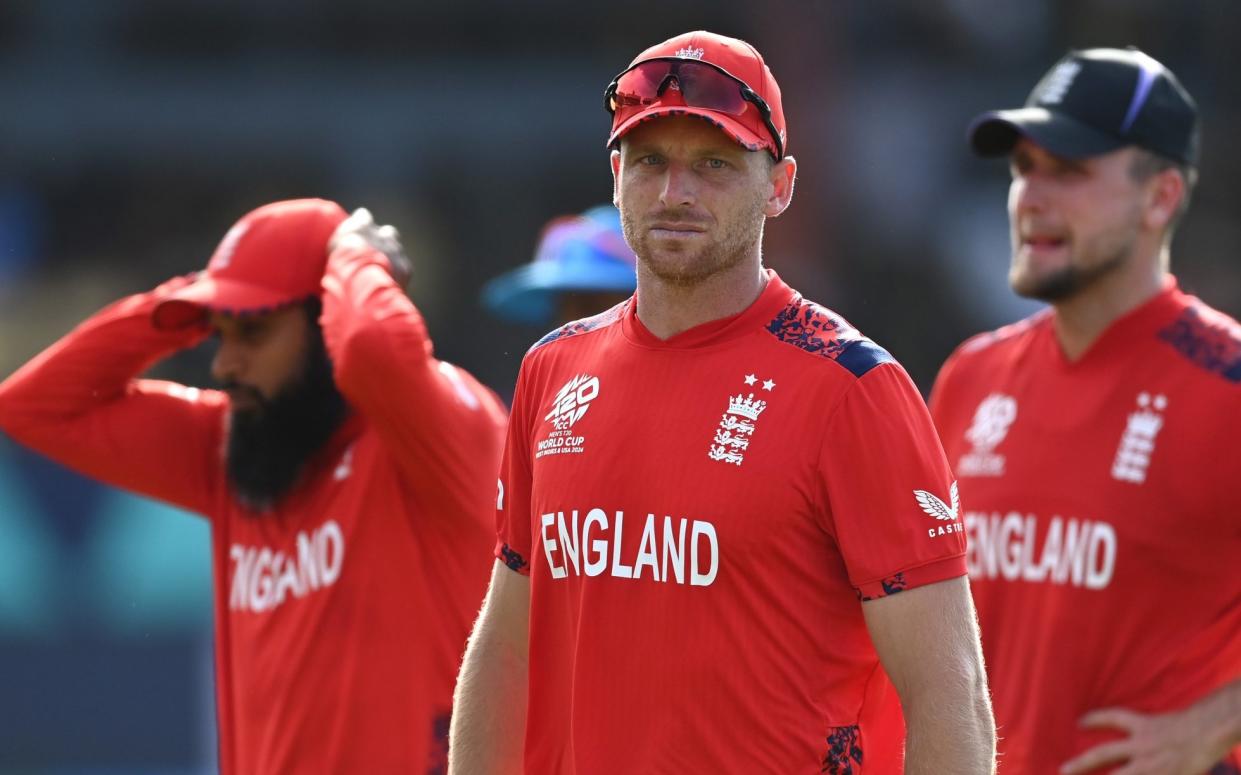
{"x": 346, "y": 472}
{"x": 581, "y": 266}
{"x": 1096, "y": 442}
{"x": 713, "y": 493}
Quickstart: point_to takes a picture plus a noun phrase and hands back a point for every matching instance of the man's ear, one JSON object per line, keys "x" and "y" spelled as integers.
{"x": 1164, "y": 199}
{"x": 614, "y": 158}
{"x": 782, "y": 176}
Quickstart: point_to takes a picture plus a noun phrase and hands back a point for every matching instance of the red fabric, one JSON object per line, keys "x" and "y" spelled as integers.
{"x": 1103, "y": 559}
{"x": 340, "y": 618}
{"x": 756, "y": 655}
{"x": 242, "y": 275}
{"x": 739, "y": 59}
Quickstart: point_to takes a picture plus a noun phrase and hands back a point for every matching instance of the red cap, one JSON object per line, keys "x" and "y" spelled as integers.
{"x": 272, "y": 257}
{"x": 737, "y": 57}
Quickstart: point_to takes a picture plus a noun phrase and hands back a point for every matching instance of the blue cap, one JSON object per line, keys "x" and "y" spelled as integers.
{"x": 585, "y": 253}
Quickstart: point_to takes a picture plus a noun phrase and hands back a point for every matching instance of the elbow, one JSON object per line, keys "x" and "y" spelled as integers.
{"x": 369, "y": 348}
{"x": 358, "y": 353}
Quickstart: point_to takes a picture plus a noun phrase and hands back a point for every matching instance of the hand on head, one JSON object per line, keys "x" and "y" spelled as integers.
{"x": 360, "y": 229}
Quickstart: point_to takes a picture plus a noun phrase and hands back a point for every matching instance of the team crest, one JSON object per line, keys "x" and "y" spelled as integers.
{"x": 567, "y": 409}
{"x": 224, "y": 253}
{"x": 1137, "y": 443}
{"x": 736, "y": 428}
{"x": 1057, "y": 84}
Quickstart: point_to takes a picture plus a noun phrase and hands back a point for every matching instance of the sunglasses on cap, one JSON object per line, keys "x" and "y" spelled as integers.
{"x": 702, "y": 85}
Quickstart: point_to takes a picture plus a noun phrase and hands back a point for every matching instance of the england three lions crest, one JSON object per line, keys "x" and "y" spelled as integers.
{"x": 736, "y": 428}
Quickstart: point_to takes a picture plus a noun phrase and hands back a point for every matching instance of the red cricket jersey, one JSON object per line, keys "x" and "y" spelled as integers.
{"x": 1104, "y": 517}
{"x": 341, "y": 617}
{"x": 700, "y": 517}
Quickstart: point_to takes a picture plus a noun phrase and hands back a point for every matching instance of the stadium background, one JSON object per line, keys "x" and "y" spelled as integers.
{"x": 134, "y": 132}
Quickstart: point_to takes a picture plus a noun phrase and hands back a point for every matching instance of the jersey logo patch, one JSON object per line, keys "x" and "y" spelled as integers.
{"x": 733, "y": 434}
{"x": 993, "y": 418}
{"x": 1137, "y": 443}
{"x": 1052, "y": 90}
{"x": 224, "y": 253}
{"x": 934, "y": 507}
{"x": 345, "y": 467}
{"x": 567, "y": 408}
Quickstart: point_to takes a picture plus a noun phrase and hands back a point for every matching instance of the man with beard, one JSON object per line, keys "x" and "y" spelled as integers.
{"x": 1096, "y": 442}
{"x": 724, "y": 513}
{"x": 347, "y": 475}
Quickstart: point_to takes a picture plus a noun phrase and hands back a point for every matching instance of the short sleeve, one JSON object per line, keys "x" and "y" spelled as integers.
{"x": 892, "y": 501}
{"x": 514, "y": 486}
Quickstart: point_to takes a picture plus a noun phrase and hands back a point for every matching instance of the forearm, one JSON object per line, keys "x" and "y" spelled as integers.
{"x": 91, "y": 366}
{"x": 489, "y": 707}
{"x": 432, "y": 416}
{"x": 927, "y": 640}
{"x": 1218, "y": 716}
{"x": 953, "y": 733}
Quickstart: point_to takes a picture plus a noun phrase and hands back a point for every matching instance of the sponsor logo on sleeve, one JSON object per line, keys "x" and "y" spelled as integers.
{"x": 934, "y": 507}
{"x": 1137, "y": 443}
{"x": 566, "y": 410}
{"x": 993, "y": 418}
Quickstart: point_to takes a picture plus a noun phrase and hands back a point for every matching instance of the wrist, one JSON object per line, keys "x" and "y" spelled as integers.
{"x": 1219, "y": 718}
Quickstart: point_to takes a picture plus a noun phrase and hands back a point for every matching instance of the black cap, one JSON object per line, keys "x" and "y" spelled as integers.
{"x": 1096, "y": 101}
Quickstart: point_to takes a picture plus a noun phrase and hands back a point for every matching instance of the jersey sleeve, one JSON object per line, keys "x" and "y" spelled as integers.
{"x": 81, "y": 403}
{"x": 892, "y": 502}
{"x": 944, "y": 387}
{"x": 443, "y": 428}
{"x": 515, "y": 485}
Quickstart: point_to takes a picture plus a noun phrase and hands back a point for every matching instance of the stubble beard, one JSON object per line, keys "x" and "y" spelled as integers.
{"x": 1076, "y": 276}
{"x": 689, "y": 267}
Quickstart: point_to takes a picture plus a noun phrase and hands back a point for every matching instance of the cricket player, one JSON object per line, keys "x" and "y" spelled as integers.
{"x": 724, "y": 516}
{"x": 346, "y": 472}
{"x": 1096, "y": 442}
{"x": 582, "y": 265}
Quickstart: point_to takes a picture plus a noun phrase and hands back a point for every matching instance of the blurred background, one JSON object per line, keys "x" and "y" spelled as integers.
{"x": 134, "y": 132}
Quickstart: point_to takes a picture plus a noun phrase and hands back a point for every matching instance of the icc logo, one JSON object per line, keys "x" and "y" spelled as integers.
{"x": 572, "y": 401}
{"x": 994, "y": 416}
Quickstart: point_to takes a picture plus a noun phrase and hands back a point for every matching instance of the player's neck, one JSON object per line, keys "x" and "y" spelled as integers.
{"x": 1080, "y": 320}
{"x": 667, "y": 309}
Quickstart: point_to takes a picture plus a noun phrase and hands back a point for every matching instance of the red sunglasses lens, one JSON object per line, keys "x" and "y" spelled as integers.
{"x": 701, "y": 86}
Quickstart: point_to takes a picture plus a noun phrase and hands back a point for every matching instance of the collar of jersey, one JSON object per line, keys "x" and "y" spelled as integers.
{"x": 1134, "y": 328}
{"x": 774, "y": 298}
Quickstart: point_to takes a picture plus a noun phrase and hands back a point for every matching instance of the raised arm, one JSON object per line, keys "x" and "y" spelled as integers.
{"x": 81, "y": 403}
{"x": 927, "y": 641}
{"x": 435, "y": 418}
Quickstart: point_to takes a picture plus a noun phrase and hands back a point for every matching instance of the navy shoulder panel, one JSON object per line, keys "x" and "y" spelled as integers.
{"x": 1208, "y": 339}
{"x": 605, "y": 318}
{"x": 815, "y": 329}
